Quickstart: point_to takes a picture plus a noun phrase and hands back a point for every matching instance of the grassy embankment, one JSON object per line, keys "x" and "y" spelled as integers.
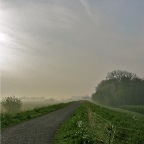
{"x": 94, "y": 124}
{"x": 8, "y": 120}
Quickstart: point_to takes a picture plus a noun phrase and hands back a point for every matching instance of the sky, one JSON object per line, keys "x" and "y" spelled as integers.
{"x": 63, "y": 48}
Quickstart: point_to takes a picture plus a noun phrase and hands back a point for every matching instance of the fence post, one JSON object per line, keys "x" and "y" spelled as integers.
{"x": 110, "y": 133}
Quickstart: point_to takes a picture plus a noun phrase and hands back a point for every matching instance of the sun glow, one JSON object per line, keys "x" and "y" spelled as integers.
{"x": 4, "y": 38}
{"x": 5, "y": 52}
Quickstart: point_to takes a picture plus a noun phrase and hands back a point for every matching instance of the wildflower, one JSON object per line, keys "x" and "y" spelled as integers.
{"x": 79, "y": 124}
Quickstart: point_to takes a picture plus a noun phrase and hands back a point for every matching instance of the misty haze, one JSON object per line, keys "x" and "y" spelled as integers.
{"x": 72, "y": 71}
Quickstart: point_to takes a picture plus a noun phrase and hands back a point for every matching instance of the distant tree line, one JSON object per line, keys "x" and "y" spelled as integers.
{"x": 120, "y": 88}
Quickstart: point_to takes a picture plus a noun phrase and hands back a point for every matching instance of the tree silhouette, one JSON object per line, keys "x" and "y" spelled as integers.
{"x": 120, "y": 88}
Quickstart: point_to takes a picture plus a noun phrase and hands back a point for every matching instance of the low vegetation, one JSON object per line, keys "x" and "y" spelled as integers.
{"x": 10, "y": 119}
{"x": 11, "y": 104}
{"x": 94, "y": 124}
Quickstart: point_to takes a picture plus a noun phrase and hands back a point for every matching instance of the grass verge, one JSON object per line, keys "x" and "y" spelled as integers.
{"x": 8, "y": 120}
{"x": 93, "y": 124}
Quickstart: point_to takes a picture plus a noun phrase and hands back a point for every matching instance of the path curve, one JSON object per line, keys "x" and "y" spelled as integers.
{"x": 39, "y": 130}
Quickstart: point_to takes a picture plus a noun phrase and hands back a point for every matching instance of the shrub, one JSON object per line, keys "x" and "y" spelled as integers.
{"x": 12, "y": 104}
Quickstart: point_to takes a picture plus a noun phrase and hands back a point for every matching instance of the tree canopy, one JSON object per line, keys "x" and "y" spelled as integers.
{"x": 120, "y": 88}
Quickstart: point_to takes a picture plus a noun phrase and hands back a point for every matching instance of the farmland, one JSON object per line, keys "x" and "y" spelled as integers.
{"x": 89, "y": 124}
{"x": 138, "y": 109}
{"x": 92, "y": 124}
{"x": 31, "y": 104}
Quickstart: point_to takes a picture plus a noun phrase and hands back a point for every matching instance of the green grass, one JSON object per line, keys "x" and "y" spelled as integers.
{"x": 138, "y": 109}
{"x": 75, "y": 130}
{"x": 8, "y": 120}
{"x": 94, "y": 124}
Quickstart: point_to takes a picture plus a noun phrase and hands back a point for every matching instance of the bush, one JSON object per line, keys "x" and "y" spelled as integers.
{"x": 11, "y": 104}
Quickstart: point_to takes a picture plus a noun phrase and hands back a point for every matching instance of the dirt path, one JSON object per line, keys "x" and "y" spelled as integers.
{"x": 39, "y": 130}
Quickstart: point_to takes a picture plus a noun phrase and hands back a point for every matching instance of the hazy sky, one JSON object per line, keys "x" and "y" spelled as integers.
{"x": 63, "y": 48}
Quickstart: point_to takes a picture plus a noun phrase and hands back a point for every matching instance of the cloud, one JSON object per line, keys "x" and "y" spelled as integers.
{"x": 64, "y": 47}
{"x": 87, "y": 8}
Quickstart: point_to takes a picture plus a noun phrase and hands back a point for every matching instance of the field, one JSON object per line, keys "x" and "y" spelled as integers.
{"x": 90, "y": 123}
{"x": 138, "y": 109}
{"x": 94, "y": 124}
{"x": 29, "y": 104}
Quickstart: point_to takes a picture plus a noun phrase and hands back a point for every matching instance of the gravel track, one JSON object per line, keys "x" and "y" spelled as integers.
{"x": 39, "y": 130}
